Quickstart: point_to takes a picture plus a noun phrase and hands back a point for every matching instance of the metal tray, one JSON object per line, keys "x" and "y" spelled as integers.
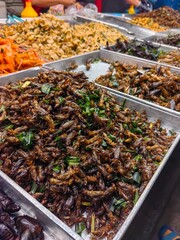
{"x": 19, "y": 75}
{"x": 72, "y": 20}
{"x": 101, "y": 68}
{"x": 165, "y": 48}
{"x": 172, "y": 31}
{"x": 162, "y": 204}
{"x": 128, "y": 17}
{"x": 125, "y": 30}
{"x": 54, "y": 228}
{"x": 169, "y": 121}
{"x": 158, "y": 36}
{"x": 122, "y": 25}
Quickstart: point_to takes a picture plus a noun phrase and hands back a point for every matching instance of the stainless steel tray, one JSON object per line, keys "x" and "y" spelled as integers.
{"x": 13, "y": 77}
{"x": 95, "y": 71}
{"x": 172, "y": 31}
{"x": 99, "y": 69}
{"x": 120, "y": 23}
{"x": 122, "y": 29}
{"x": 165, "y": 48}
{"x": 169, "y": 121}
{"x": 54, "y": 228}
{"x": 158, "y": 36}
{"x": 162, "y": 204}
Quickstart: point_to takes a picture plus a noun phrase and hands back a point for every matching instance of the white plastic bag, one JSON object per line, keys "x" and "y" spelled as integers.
{"x": 90, "y": 10}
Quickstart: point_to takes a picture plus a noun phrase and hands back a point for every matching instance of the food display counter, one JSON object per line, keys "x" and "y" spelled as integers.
{"x": 85, "y": 152}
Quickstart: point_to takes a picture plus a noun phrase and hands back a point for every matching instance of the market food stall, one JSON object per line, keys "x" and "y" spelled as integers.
{"x": 89, "y": 133}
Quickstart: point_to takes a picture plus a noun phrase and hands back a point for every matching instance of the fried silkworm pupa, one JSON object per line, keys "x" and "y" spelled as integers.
{"x": 6, "y": 233}
{"x": 7, "y": 204}
{"x": 29, "y": 228}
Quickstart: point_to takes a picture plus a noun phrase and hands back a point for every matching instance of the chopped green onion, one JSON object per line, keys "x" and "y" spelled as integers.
{"x": 86, "y": 204}
{"x": 42, "y": 188}
{"x": 34, "y": 188}
{"x": 138, "y": 157}
{"x": 46, "y": 88}
{"x": 131, "y": 91}
{"x": 92, "y": 223}
{"x": 26, "y": 84}
{"x": 26, "y": 139}
{"x": 1, "y": 162}
{"x": 127, "y": 180}
{"x": 115, "y": 84}
{"x": 137, "y": 177}
{"x": 162, "y": 98}
{"x": 2, "y": 108}
{"x": 134, "y": 124}
{"x": 136, "y": 197}
{"x": 120, "y": 203}
{"x": 79, "y": 228}
{"x": 129, "y": 150}
{"x": 96, "y": 60}
{"x": 61, "y": 99}
{"x": 112, "y": 137}
{"x": 147, "y": 139}
{"x": 73, "y": 161}
{"x": 117, "y": 204}
{"x": 104, "y": 143}
{"x": 47, "y": 101}
{"x": 123, "y": 104}
{"x": 172, "y": 132}
{"x": 8, "y": 127}
{"x": 59, "y": 142}
{"x": 125, "y": 126}
{"x": 136, "y": 130}
{"x": 157, "y": 163}
{"x": 57, "y": 169}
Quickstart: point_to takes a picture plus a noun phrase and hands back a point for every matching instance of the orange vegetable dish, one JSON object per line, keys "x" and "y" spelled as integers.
{"x": 14, "y": 58}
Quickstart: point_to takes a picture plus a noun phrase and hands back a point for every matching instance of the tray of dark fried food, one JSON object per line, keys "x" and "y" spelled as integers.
{"x": 83, "y": 154}
{"x": 165, "y": 16}
{"x": 13, "y": 226}
{"x": 22, "y": 217}
{"x": 100, "y": 64}
{"x": 162, "y": 204}
{"x": 172, "y": 40}
{"x": 147, "y": 50}
{"x": 155, "y": 84}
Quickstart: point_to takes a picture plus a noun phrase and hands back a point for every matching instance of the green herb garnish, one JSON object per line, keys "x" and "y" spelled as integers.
{"x": 137, "y": 177}
{"x": 57, "y": 169}
{"x": 72, "y": 161}
{"x": 46, "y": 88}
{"x": 79, "y": 228}
{"x": 26, "y": 139}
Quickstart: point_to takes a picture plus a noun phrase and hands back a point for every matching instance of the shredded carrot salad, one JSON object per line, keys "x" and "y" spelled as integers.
{"x": 15, "y": 58}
